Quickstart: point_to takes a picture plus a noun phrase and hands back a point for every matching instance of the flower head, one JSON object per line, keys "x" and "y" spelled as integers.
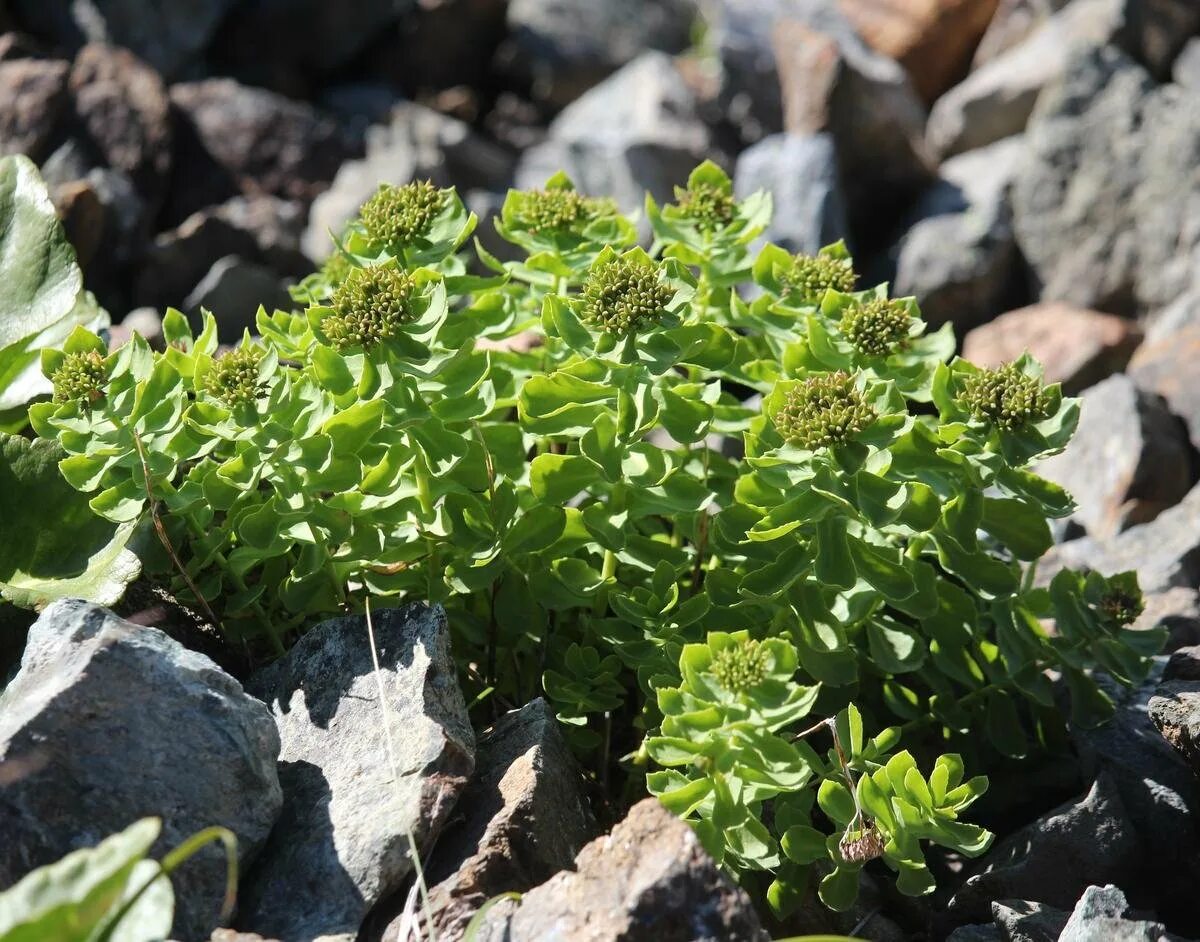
{"x": 742, "y": 666}
{"x": 234, "y": 377}
{"x": 623, "y": 294}
{"x": 861, "y": 844}
{"x": 808, "y": 276}
{"x": 1005, "y": 396}
{"x": 80, "y": 378}
{"x": 1122, "y": 605}
{"x": 875, "y": 327}
{"x": 710, "y": 206}
{"x": 823, "y": 410}
{"x": 371, "y": 305}
{"x": 560, "y": 210}
{"x": 397, "y": 215}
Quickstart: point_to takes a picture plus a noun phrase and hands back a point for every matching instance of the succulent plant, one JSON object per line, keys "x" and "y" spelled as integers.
{"x": 396, "y": 215}
{"x": 623, "y": 294}
{"x": 709, "y": 206}
{"x": 823, "y": 410}
{"x": 1006, "y": 397}
{"x": 560, "y": 210}
{"x": 234, "y": 377}
{"x": 80, "y": 378}
{"x": 877, "y": 326}
{"x": 741, "y": 667}
{"x": 371, "y": 305}
{"x": 807, "y": 277}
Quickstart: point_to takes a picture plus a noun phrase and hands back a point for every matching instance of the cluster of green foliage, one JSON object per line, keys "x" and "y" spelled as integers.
{"x": 693, "y": 574}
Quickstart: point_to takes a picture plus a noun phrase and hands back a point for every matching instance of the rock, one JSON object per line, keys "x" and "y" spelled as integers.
{"x": 112, "y": 722}
{"x": 648, "y": 881}
{"x": 166, "y": 35}
{"x": 1100, "y": 917}
{"x": 1128, "y": 462}
{"x": 800, "y": 172}
{"x": 1186, "y": 70}
{"x": 1165, "y": 552}
{"x": 1183, "y": 312}
{"x": 1102, "y": 206}
{"x": 144, "y": 321}
{"x": 355, "y": 793}
{"x": 1077, "y": 347}
{"x": 1177, "y": 610}
{"x": 958, "y": 255}
{"x": 932, "y": 39}
{"x": 1055, "y": 858}
{"x": 232, "y": 138}
{"x": 1166, "y": 366}
{"x": 108, "y": 217}
{"x": 1175, "y": 712}
{"x": 417, "y": 143}
{"x": 525, "y": 818}
{"x": 123, "y": 109}
{"x": 34, "y": 92}
{"x": 1014, "y": 21}
{"x": 636, "y": 131}
{"x": 264, "y": 230}
{"x": 1183, "y": 664}
{"x": 1023, "y": 921}
{"x": 82, "y": 215}
{"x": 14, "y": 45}
{"x": 232, "y": 290}
{"x": 564, "y": 47}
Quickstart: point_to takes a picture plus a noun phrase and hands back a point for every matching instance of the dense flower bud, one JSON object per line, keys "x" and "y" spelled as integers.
{"x": 808, "y": 276}
{"x": 875, "y": 327}
{"x": 1005, "y": 396}
{"x": 234, "y": 377}
{"x": 396, "y": 215}
{"x": 623, "y": 294}
{"x": 1122, "y": 606}
{"x": 823, "y": 410}
{"x": 861, "y": 846}
{"x": 80, "y": 378}
{"x": 560, "y": 210}
{"x": 371, "y": 305}
{"x": 741, "y": 667}
{"x": 710, "y": 207}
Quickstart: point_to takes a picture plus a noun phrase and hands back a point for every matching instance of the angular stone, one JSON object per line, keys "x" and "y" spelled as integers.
{"x": 1128, "y": 461}
{"x": 800, "y": 172}
{"x": 34, "y": 92}
{"x": 232, "y": 290}
{"x": 107, "y": 722}
{"x": 932, "y": 39}
{"x": 1167, "y": 366}
{"x": 1186, "y": 70}
{"x": 123, "y": 108}
{"x": 1175, "y": 711}
{"x": 636, "y": 131}
{"x": 958, "y": 255}
{"x": 1014, "y": 21}
{"x": 525, "y": 817}
{"x": 1022, "y": 921}
{"x": 360, "y": 778}
{"x": 1177, "y": 610}
{"x": 647, "y": 881}
{"x": 1100, "y": 916}
{"x": 1183, "y": 664}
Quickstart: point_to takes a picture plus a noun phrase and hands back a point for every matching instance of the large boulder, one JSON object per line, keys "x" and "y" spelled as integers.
{"x": 107, "y": 722}
{"x": 33, "y": 92}
{"x": 363, "y": 777}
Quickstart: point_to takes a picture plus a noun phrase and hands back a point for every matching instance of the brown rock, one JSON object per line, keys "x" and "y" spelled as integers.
{"x": 123, "y": 107}
{"x": 33, "y": 92}
{"x": 647, "y": 881}
{"x": 1168, "y": 366}
{"x": 1175, "y": 712}
{"x": 83, "y": 217}
{"x": 932, "y": 39}
{"x": 1076, "y": 347}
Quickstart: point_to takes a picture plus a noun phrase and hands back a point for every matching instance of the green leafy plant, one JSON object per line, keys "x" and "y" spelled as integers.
{"x": 721, "y": 495}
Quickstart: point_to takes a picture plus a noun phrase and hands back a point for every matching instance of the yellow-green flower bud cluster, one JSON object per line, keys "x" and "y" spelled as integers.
{"x": 1005, "y": 396}
{"x": 709, "y": 206}
{"x": 371, "y": 305}
{"x": 396, "y": 215}
{"x": 622, "y": 295}
{"x": 80, "y": 378}
{"x": 741, "y": 667}
{"x": 234, "y": 377}
{"x": 808, "y": 276}
{"x": 824, "y": 410}
{"x": 875, "y": 327}
{"x": 560, "y": 210}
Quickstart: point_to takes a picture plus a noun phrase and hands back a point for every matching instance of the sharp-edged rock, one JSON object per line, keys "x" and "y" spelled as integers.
{"x": 1166, "y": 365}
{"x": 232, "y": 289}
{"x": 34, "y": 92}
{"x": 1102, "y": 915}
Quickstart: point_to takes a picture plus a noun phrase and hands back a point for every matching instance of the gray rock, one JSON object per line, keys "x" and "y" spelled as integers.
{"x": 1103, "y": 206}
{"x": 524, "y": 818}
{"x": 1183, "y": 664}
{"x": 233, "y": 138}
{"x": 167, "y": 35}
{"x": 1023, "y": 921}
{"x": 1100, "y": 916}
{"x": 1055, "y": 858}
{"x": 144, "y": 321}
{"x": 976, "y": 933}
{"x": 417, "y": 143}
{"x": 636, "y": 131}
{"x": 107, "y": 722}
{"x": 1175, "y": 711}
{"x": 1166, "y": 365}
{"x": 1013, "y": 22}
{"x": 1186, "y": 70}
{"x": 232, "y": 290}
{"x": 648, "y": 881}
{"x": 351, "y": 804}
{"x": 564, "y": 47}
{"x": 1177, "y": 610}
{"x": 1129, "y": 460}
{"x": 124, "y": 111}
{"x": 34, "y": 92}
{"x": 958, "y": 256}
{"x": 800, "y": 172}
{"x": 1183, "y": 312}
